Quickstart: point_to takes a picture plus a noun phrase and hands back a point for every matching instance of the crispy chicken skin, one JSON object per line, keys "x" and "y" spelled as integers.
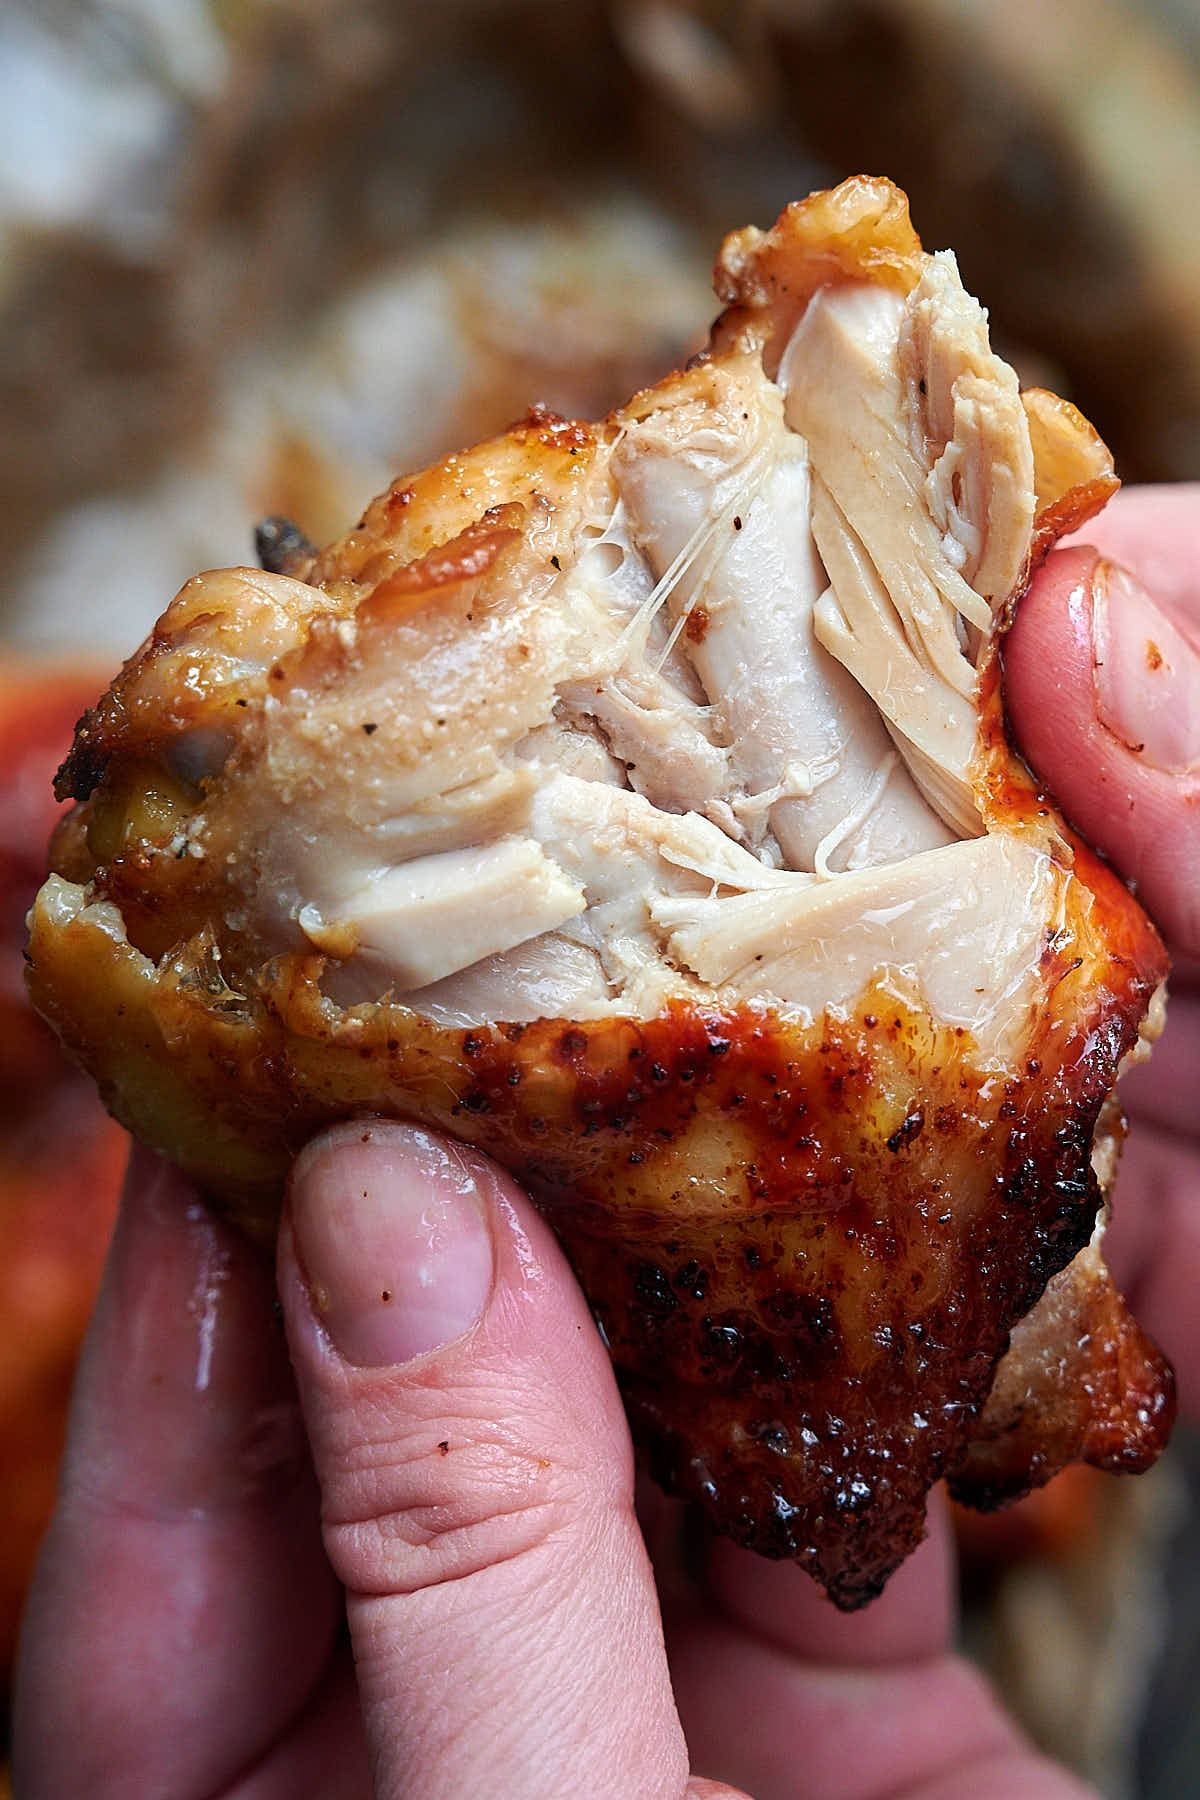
{"x": 634, "y": 801}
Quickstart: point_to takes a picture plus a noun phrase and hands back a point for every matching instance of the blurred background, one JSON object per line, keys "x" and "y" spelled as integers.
{"x": 259, "y": 256}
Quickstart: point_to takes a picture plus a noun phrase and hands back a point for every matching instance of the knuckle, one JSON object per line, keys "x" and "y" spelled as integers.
{"x": 448, "y": 1492}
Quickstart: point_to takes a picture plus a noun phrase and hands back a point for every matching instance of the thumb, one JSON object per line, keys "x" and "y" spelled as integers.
{"x": 1103, "y": 690}
{"x": 476, "y": 1478}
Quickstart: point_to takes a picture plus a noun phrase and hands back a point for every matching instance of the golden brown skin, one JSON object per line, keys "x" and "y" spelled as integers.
{"x": 807, "y": 1244}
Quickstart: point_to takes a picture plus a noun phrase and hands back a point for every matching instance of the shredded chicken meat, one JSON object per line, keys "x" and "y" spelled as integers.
{"x": 634, "y": 801}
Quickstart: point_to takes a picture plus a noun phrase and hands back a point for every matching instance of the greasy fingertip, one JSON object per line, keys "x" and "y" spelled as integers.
{"x": 391, "y": 1232}
{"x": 1154, "y": 529}
{"x": 1103, "y": 695}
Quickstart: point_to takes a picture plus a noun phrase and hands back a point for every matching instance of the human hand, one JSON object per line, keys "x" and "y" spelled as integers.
{"x": 476, "y": 1487}
{"x": 1076, "y": 723}
{"x": 184, "y": 1638}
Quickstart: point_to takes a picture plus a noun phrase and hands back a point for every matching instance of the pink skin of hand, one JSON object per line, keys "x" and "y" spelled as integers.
{"x": 475, "y": 1477}
{"x": 1102, "y": 676}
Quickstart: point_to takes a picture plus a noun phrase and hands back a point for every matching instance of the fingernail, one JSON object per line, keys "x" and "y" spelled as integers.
{"x": 392, "y": 1237}
{"x": 1147, "y": 674}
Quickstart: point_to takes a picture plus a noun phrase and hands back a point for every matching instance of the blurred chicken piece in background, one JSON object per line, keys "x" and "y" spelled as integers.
{"x": 282, "y": 248}
{"x": 257, "y": 256}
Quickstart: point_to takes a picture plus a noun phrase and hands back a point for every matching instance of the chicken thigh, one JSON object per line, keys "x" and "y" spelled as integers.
{"x": 633, "y": 800}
